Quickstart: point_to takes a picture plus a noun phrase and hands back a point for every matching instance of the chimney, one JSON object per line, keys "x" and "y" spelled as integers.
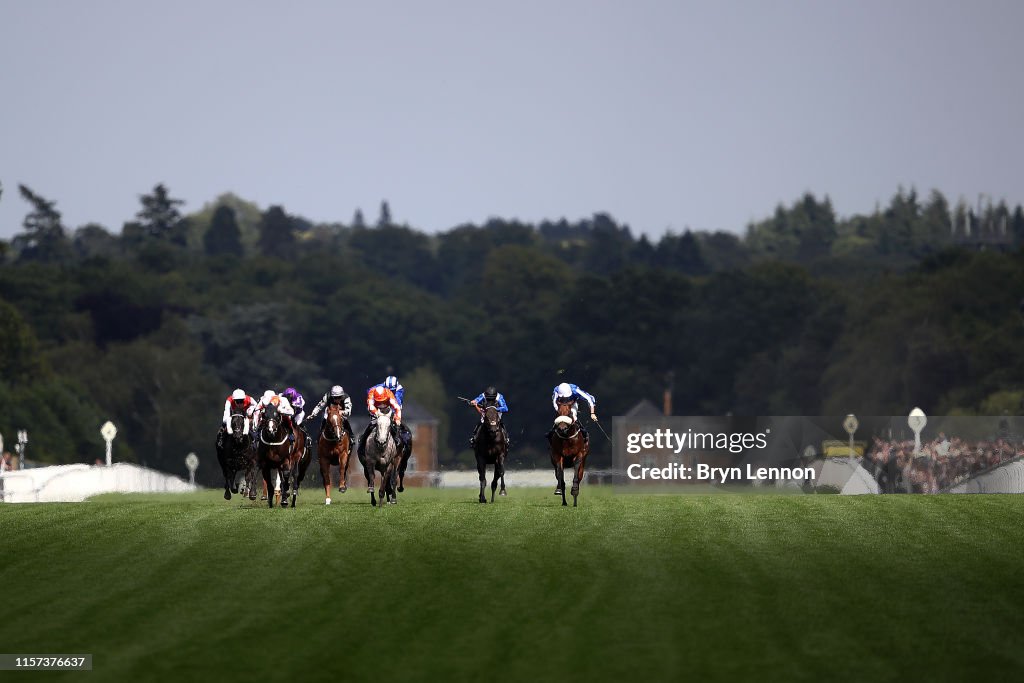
{"x": 669, "y": 382}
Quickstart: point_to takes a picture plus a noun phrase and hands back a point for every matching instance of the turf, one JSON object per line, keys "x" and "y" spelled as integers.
{"x": 726, "y": 587}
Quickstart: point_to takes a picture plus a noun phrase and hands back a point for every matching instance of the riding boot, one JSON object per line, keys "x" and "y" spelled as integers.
{"x": 220, "y": 439}
{"x": 476, "y": 433}
{"x": 362, "y": 440}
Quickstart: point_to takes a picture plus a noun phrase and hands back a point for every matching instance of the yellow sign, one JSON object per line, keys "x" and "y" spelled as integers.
{"x": 841, "y": 449}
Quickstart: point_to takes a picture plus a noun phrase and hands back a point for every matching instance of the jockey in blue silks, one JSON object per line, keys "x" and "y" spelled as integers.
{"x": 489, "y": 397}
{"x": 566, "y": 393}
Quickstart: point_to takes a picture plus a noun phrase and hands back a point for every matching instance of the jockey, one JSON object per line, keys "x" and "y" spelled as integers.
{"x": 391, "y": 384}
{"x": 271, "y": 398}
{"x": 297, "y": 403}
{"x": 566, "y": 393}
{"x": 489, "y": 397}
{"x": 238, "y": 401}
{"x": 378, "y": 399}
{"x": 336, "y": 396}
{"x": 257, "y": 410}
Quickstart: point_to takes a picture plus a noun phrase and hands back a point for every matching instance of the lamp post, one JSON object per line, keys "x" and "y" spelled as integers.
{"x": 916, "y": 421}
{"x": 22, "y": 446}
{"x": 850, "y": 424}
{"x": 192, "y": 463}
{"x": 108, "y": 431}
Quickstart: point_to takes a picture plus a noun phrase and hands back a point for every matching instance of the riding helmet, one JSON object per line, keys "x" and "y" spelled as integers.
{"x": 337, "y": 391}
{"x": 490, "y": 393}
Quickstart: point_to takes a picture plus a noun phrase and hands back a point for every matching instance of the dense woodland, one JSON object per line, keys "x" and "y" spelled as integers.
{"x": 916, "y": 303}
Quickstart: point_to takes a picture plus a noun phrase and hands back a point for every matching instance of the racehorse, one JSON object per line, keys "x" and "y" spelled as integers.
{"x": 568, "y": 448}
{"x": 491, "y": 449}
{"x": 275, "y": 452}
{"x": 404, "y": 453}
{"x": 235, "y": 453}
{"x": 333, "y": 448}
{"x": 382, "y": 454}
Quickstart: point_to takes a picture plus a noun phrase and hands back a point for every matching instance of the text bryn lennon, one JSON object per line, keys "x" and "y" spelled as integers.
{"x": 722, "y": 475}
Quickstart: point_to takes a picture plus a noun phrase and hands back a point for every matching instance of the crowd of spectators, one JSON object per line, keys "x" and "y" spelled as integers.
{"x": 938, "y": 465}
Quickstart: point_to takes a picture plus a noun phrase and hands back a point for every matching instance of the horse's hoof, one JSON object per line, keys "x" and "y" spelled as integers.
{"x": 263, "y": 497}
{"x": 327, "y": 502}
{"x": 227, "y": 495}
{"x": 502, "y": 493}
{"x": 483, "y": 500}
{"x": 558, "y": 492}
{"x": 369, "y": 489}
{"x": 342, "y": 489}
{"x": 564, "y": 504}
{"x": 234, "y": 489}
{"x": 401, "y": 489}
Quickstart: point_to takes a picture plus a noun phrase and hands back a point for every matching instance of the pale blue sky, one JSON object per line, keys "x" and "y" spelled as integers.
{"x": 665, "y": 114}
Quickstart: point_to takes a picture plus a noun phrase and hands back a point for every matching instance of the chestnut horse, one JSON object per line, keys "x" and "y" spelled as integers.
{"x": 333, "y": 448}
{"x": 275, "y": 452}
{"x": 568, "y": 448}
{"x": 491, "y": 449}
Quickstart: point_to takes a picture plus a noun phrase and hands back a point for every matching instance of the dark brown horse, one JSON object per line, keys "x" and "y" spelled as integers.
{"x": 405, "y": 452}
{"x": 276, "y": 452}
{"x": 234, "y": 452}
{"x": 491, "y": 449}
{"x": 333, "y": 448}
{"x": 569, "y": 448}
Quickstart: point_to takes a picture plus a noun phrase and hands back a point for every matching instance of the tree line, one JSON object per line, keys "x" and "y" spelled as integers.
{"x": 916, "y": 303}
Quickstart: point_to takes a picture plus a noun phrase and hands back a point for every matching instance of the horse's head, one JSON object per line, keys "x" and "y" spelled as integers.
{"x": 271, "y": 420}
{"x": 334, "y": 417}
{"x": 383, "y": 425}
{"x": 564, "y": 426}
{"x": 492, "y": 419}
{"x": 239, "y": 426}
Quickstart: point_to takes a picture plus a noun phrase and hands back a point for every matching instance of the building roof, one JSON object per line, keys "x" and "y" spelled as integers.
{"x": 644, "y": 409}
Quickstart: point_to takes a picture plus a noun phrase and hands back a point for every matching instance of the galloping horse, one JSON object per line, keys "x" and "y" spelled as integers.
{"x": 275, "y": 452}
{"x": 491, "y": 449}
{"x": 333, "y": 448}
{"x": 235, "y": 452}
{"x": 568, "y": 447}
{"x": 404, "y": 453}
{"x": 383, "y": 454}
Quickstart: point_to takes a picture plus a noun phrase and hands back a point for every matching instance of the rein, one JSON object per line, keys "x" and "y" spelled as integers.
{"x": 327, "y": 438}
{"x": 571, "y": 436}
{"x": 272, "y": 443}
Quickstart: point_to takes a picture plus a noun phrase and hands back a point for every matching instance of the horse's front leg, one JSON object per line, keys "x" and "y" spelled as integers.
{"x": 296, "y": 477}
{"x": 560, "y": 476}
{"x": 325, "y": 474}
{"x": 222, "y": 458}
{"x": 343, "y": 454}
{"x": 577, "y": 476}
{"x": 481, "y": 469}
{"x": 501, "y": 462}
{"x": 268, "y": 485}
{"x": 499, "y": 473}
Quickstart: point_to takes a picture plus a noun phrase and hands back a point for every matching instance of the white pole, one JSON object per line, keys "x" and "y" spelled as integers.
{"x": 109, "y": 441}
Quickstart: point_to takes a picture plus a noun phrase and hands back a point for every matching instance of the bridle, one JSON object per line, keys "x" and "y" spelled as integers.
{"x": 333, "y": 422}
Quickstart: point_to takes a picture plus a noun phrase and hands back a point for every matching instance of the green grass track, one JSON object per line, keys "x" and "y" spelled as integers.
{"x": 715, "y": 587}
